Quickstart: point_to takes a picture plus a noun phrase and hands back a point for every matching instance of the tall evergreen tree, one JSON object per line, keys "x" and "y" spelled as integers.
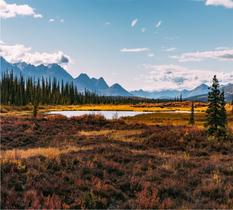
{"x": 192, "y": 119}
{"x": 181, "y": 97}
{"x": 216, "y": 113}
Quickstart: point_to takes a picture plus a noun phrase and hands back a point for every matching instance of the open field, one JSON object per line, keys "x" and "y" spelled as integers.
{"x": 175, "y": 119}
{"x": 89, "y": 162}
{"x": 163, "y": 112}
{"x": 155, "y": 107}
{"x": 159, "y": 107}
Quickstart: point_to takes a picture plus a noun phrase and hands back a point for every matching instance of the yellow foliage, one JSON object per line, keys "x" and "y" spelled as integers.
{"x": 15, "y": 155}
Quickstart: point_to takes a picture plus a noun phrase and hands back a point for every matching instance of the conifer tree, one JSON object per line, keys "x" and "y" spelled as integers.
{"x": 181, "y": 98}
{"x": 216, "y": 113}
{"x": 192, "y": 119}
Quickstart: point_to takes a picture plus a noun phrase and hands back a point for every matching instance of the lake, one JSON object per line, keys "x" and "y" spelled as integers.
{"x": 107, "y": 114}
{"x": 111, "y": 114}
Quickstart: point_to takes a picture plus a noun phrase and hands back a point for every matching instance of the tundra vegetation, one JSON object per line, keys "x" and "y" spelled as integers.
{"x": 155, "y": 160}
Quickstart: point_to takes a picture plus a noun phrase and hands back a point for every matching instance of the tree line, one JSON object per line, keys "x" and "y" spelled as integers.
{"x": 21, "y": 91}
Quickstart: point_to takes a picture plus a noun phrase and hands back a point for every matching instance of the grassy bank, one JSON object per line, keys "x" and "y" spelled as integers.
{"x": 156, "y": 118}
{"x": 159, "y": 107}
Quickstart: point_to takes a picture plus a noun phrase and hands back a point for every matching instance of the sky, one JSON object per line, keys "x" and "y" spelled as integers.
{"x": 140, "y": 44}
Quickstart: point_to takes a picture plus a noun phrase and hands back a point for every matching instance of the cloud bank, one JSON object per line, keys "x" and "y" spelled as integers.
{"x": 179, "y": 77}
{"x": 13, "y": 10}
{"x": 20, "y": 53}
{"x": 224, "y": 55}
{"x": 134, "y": 50}
{"x": 170, "y": 49}
{"x": 225, "y": 3}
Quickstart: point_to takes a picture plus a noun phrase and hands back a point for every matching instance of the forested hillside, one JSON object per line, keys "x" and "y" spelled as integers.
{"x": 20, "y": 91}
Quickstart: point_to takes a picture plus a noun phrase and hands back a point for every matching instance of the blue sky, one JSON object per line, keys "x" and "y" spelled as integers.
{"x": 141, "y": 44}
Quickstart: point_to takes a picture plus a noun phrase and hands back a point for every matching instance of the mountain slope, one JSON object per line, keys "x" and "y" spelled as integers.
{"x": 164, "y": 94}
{"x": 167, "y": 94}
{"x": 116, "y": 90}
{"x": 50, "y": 71}
{"x": 228, "y": 91}
{"x": 200, "y": 90}
{"x": 199, "y": 93}
{"x": 5, "y": 66}
{"x": 83, "y": 81}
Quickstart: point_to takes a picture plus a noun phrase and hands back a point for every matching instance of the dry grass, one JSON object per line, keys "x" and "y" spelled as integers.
{"x": 117, "y": 135}
{"x": 112, "y": 164}
{"x": 157, "y": 107}
{"x": 126, "y": 135}
{"x": 49, "y": 152}
{"x": 175, "y": 119}
{"x": 96, "y": 133}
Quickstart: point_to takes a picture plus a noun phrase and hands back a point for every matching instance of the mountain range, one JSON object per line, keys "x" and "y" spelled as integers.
{"x": 166, "y": 94}
{"x": 83, "y": 81}
{"x": 99, "y": 86}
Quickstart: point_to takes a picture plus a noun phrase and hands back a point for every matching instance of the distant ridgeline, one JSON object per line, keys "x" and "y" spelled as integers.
{"x": 17, "y": 90}
{"x": 86, "y": 86}
{"x": 83, "y": 82}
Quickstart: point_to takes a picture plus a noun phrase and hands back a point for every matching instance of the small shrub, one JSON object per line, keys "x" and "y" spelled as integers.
{"x": 89, "y": 201}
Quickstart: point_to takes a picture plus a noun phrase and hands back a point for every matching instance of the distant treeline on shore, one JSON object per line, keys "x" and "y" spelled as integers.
{"x": 22, "y": 91}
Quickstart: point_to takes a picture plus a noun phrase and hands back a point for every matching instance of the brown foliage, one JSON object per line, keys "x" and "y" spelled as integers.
{"x": 158, "y": 167}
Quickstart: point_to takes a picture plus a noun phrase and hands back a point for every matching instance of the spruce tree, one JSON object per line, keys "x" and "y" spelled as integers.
{"x": 216, "y": 113}
{"x": 192, "y": 119}
{"x": 181, "y": 98}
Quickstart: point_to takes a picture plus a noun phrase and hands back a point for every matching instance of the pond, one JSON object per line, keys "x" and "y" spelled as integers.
{"x": 107, "y": 114}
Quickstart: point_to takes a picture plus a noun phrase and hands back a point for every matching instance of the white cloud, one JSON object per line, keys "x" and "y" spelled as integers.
{"x": 178, "y": 77}
{"x": 134, "y": 50}
{"x": 222, "y": 48}
{"x": 143, "y": 30}
{"x": 12, "y": 10}
{"x": 151, "y": 55}
{"x": 20, "y": 53}
{"x": 56, "y": 20}
{"x": 225, "y": 3}
{"x": 107, "y": 23}
{"x": 226, "y": 55}
{"x": 158, "y": 24}
{"x": 170, "y": 49}
{"x": 134, "y": 22}
{"x": 37, "y": 16}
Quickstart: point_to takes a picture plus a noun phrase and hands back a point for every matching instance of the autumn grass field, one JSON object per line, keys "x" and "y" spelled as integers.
{"x": 157, "y": 107}
{"x": 153, "y": 160}
{"x": 167, "y": 113}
